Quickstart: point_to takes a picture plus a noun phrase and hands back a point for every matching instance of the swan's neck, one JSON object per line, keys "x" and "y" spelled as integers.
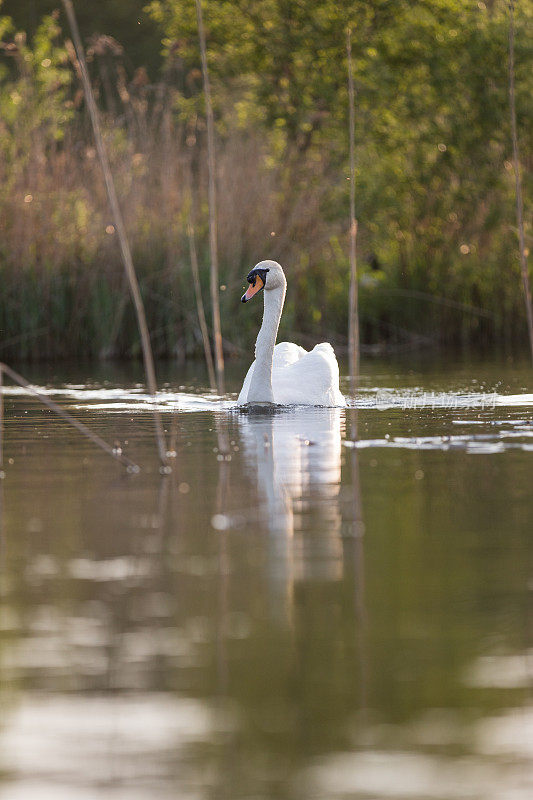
{"x": 260, "y": 390}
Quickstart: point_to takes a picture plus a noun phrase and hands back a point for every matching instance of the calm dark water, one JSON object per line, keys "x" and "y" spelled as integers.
{"x": 340, "y": 607}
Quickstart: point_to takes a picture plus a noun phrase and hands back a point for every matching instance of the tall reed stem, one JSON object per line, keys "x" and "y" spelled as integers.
{"x": 1, "y": 417}
{"x": 215, "y": 300}
{"x": 516, "y": 164}
{"x": 200, "y": 305}
{"x": 120, "y": 228}
{"x": 353, "y": 334}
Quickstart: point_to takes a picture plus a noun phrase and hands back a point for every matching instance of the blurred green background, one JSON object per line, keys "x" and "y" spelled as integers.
{"x": 437, "y": 240}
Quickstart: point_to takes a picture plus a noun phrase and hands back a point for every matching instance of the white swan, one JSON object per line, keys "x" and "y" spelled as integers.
{"x": 286, "y": 374}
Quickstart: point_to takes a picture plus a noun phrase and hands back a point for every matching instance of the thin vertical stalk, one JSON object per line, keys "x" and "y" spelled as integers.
{"x": 2, "y": 545}
{"x": 200, "y": 305}
{"x": 215, "y": 302}
{"x": 353, "y": 333}
{"x": 1, "y": 416}
{"x": 516, "y": 165}
{"x": 83, "y": 429}
{"x": 120, "y": 228}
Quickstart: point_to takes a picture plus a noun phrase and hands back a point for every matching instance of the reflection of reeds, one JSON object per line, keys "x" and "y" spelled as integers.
{"x": 83, "y": 429}
{"x": 354, "y": 564}
{"x": 1, "y": 419}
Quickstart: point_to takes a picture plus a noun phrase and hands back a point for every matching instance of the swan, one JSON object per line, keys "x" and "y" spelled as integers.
{"x": 284, "y": 373}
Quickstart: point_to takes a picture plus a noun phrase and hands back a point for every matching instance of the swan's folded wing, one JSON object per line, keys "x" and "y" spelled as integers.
{"x": 311, "y": 380}
{"x": 287, "y": 353}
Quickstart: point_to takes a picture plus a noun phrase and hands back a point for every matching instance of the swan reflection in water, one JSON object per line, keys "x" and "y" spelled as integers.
{"x": 296, "y": 457}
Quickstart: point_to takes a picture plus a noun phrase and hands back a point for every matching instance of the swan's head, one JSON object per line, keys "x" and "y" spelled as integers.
{"x": 266, "y": 275}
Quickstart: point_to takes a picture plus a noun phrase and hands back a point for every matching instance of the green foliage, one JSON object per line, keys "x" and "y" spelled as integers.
{"x": 435, "y": 193}
{"x": 437, "y": 246}
{"x": 36, "y": 101}
{"x": 126, "y": 20}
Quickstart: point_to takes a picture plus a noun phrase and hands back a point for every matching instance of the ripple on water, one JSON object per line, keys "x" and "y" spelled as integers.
{"x": 129, "y": 400}
{"x": 504, "y": 434}
{"x": 132, "y": 399}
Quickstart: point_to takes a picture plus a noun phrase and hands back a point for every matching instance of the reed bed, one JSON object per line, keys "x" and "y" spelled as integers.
{"x": 63, "y": 291}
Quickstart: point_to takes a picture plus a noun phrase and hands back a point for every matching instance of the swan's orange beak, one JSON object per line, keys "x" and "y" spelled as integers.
{"x": 253, "y": 288}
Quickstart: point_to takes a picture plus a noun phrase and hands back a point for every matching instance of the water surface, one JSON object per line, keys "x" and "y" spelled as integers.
{"x": 318, "y": 603}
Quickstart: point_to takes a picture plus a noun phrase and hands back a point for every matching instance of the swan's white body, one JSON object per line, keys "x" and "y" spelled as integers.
{"x": 286, "y": 374}
{"x": 300, "y": 377}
